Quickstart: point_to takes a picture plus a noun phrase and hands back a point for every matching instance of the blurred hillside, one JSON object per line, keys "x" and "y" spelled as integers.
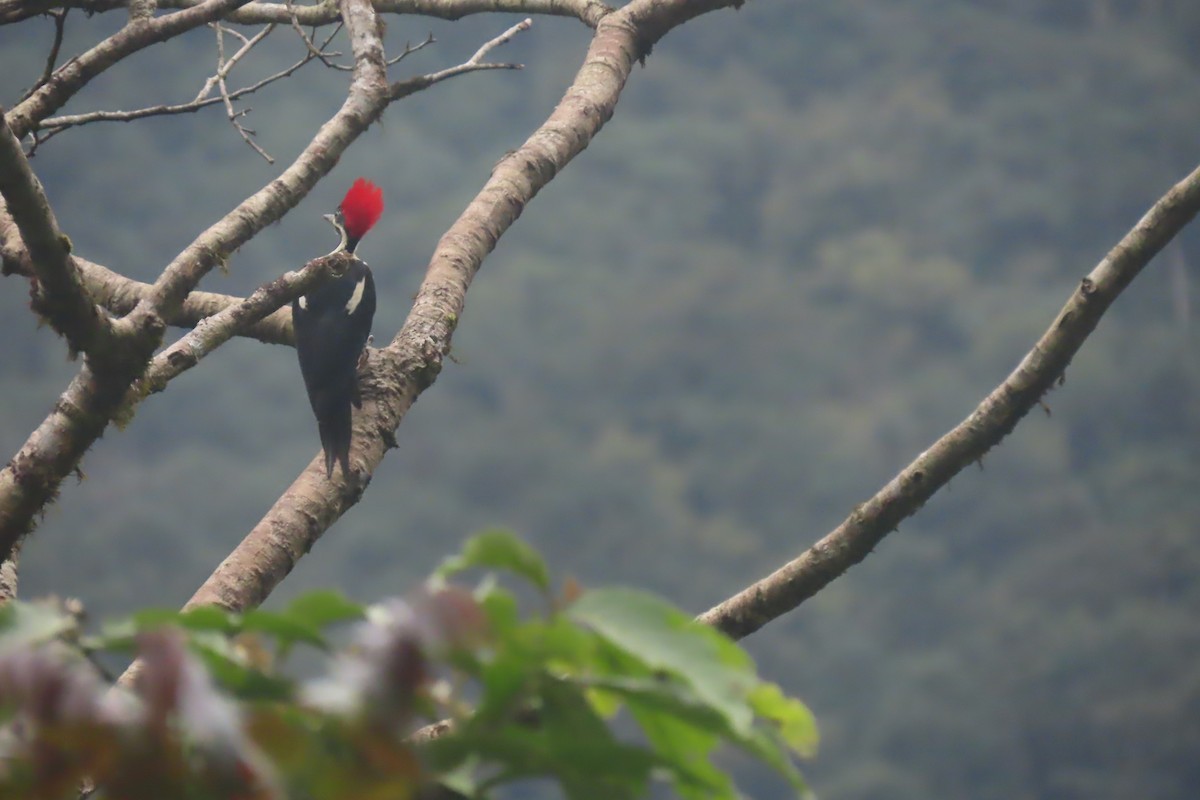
{"x": 814, "y": 235}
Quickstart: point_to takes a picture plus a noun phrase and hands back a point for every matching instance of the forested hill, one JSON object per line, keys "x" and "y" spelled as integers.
{"x": 812, "y": 237}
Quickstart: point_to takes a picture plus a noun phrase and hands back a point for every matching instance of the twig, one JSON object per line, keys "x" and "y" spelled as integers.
{"x": 75, "y": 74}
{"x": 314, "y": 51}
{"x": 223, "y": 68}
{"x": 235, "y": 33}
{"x": 473, "y": 64}
{"x": 57, "y": 124}
{"x": 60, "y": 27}
{"x": 410, "y": 49}
{"x": 503, "y": 38}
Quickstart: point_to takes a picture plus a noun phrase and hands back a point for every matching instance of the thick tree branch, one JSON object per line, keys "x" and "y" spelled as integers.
{"x": 996, "y": 416}
{"x": 120, "y": 295}
{"x": 9, "y": 577}
{"x": 587, "y": 11}
{"x": 59, "y": 295}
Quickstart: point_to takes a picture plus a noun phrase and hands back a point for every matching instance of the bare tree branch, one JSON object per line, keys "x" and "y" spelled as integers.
{"x": 120, "y": 295}
{"x": 138, "y": 34}
{"x": 313, "y": 50}
{"x": 56, "y": 124}
{"x": 996, "y": 416}
{"x": 58, "y": 294}
{"x": 590, "y": 12}
{"x": 9, "y": 577}
{"x": 212, "y": 332}
{"x": 502, "y": 39}
{"x": 60, "y": 28}
{"x": 409, "y": 49}
{"x": 223, "y": 68}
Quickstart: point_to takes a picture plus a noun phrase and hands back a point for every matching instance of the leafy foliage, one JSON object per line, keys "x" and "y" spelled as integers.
{"x": 526, "y": 696}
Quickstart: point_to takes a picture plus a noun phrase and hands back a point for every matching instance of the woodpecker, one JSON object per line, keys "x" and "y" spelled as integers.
{"x": 332, "y": 323}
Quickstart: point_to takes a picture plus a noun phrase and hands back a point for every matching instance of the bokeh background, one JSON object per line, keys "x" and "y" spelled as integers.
{"x": 814, "y": 235}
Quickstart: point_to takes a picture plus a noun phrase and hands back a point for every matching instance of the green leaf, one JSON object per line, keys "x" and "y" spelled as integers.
{"x": 688, "y": 749}
{"x": 230, "y": 671}
{"x": 795, "y": 723}
{"x": 503, "y": 679}
{"x": 498, "y": 549}
{"x": 504, "y": 616}
{"x": 767, "y": 746}
{"x": 568, "y": 742}
{"x": 204, "y": 618}
{"x": 24, "y": 624}
{"x": 322, "y": 608}
{"x": 665, "y": 638}
{"x": 286, "y": 628}
{"x": 667, "y": 697}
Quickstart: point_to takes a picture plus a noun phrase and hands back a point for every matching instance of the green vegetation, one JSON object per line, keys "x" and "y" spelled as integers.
{"x": 812, "y": 237}
{"x": 528, "y": 696}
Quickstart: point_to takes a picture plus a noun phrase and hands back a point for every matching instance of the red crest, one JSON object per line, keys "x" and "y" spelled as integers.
{"x": 362, "y": 207}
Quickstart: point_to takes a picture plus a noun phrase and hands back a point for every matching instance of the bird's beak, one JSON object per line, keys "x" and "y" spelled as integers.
{"x": 331, "y": 219}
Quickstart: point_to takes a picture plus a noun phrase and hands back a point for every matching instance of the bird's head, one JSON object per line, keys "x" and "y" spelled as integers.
{"x": 360, "y": 210}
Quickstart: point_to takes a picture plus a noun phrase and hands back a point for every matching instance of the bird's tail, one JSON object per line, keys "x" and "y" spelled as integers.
{"x": 335, "y": 429}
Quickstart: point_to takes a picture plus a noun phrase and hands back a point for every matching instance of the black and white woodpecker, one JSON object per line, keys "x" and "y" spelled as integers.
{"x": 332, "y": 323}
